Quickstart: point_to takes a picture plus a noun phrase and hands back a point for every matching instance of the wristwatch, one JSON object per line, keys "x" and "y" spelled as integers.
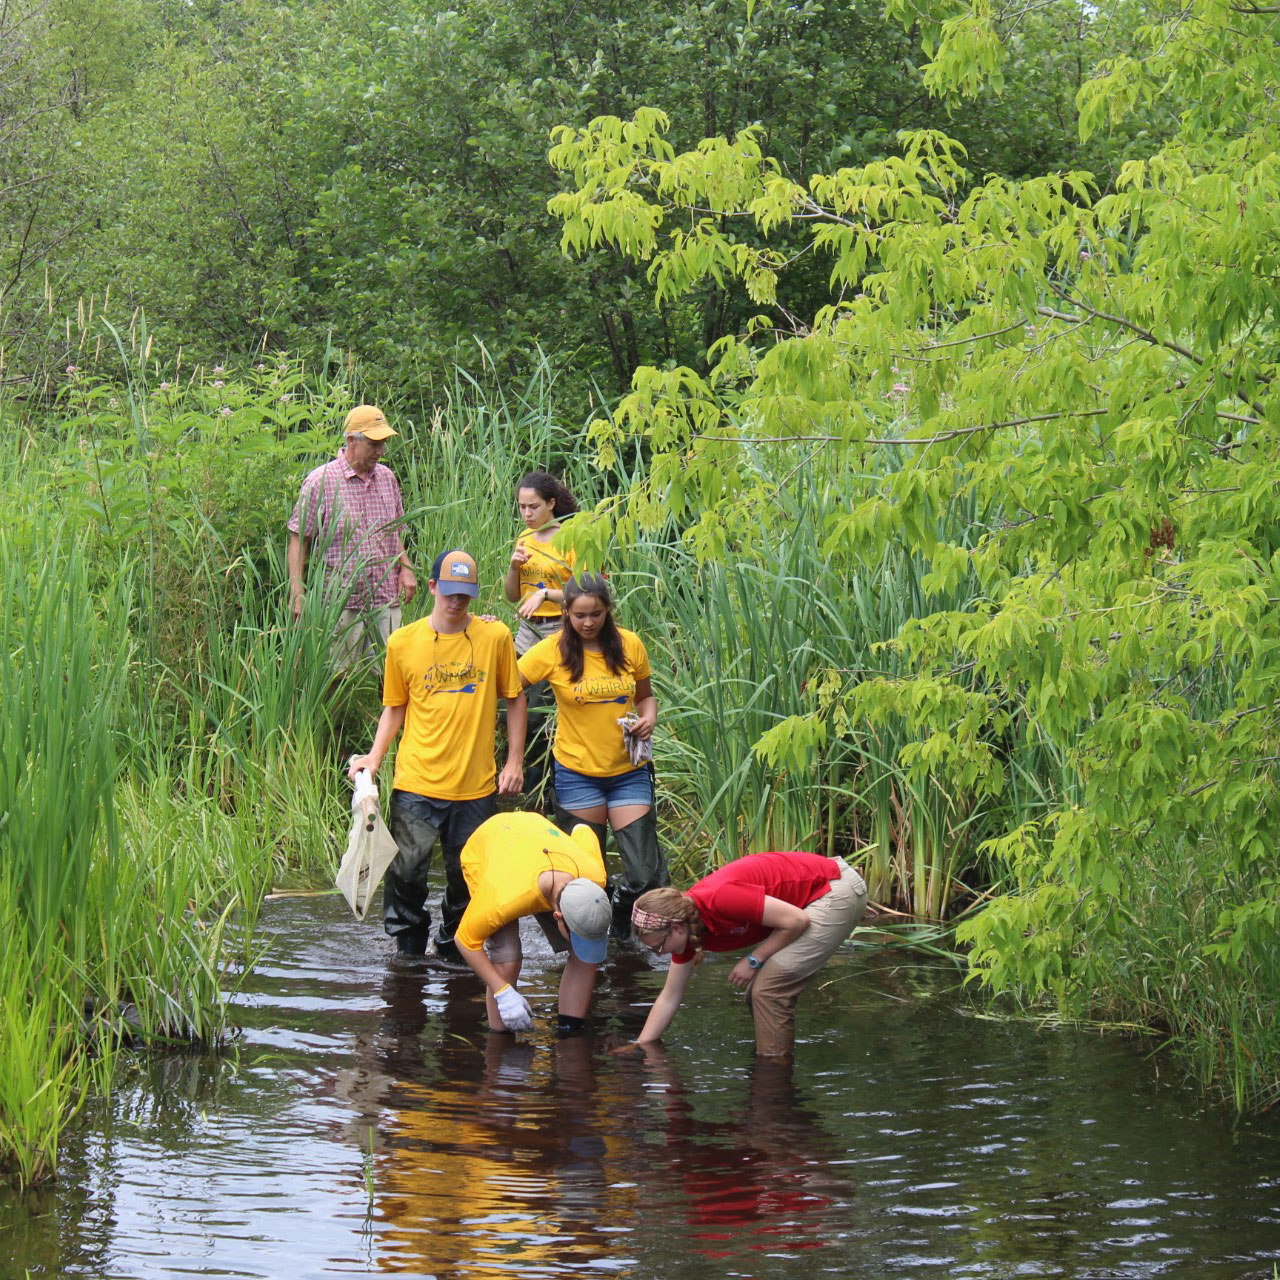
{"x": 752, "y": 962}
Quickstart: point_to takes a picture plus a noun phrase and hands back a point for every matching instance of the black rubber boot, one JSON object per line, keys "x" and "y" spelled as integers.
{"x": 620, "y": 925}
{"x": 566, "y": 822}
{"x": 405, "y": 916}
{"x": 644, "y": 867}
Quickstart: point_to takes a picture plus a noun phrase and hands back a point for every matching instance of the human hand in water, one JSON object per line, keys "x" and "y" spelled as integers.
{"x": 652, "y": 1051}
{"x": 513, "y": 1009}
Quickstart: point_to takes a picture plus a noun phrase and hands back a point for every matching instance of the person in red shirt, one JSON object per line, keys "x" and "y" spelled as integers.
{"x": 790, "y": 911}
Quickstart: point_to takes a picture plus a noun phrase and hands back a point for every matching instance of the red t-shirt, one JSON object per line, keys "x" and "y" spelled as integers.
{"x": 731, "y": 901}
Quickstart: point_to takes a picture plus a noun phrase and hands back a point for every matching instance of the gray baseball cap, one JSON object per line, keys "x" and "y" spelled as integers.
{"x": 587, "y": 915}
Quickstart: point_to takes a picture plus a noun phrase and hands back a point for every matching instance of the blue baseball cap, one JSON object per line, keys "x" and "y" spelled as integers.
{"x": 585, "y": 908}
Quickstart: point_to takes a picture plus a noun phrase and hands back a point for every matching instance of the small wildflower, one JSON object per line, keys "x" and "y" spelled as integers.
{"x": 900, "y": 388}
{"x": 113, "y": 403}
{"x": 71, "y": 368}
{"x": 225, "y": 411}
{"x": 260, "y": 366}
{"x": 217, "y": 368}
{"x": 164, "y": 386}
{"x": 285, "y": 399}
{"x": 218, "y": 382}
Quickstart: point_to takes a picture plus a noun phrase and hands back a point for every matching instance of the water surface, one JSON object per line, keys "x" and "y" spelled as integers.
{"x": 366, "y": 1123}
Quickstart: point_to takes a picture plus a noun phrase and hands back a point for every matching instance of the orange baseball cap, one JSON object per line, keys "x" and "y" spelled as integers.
{"x": 369, "y": 421}
{"x": 454, "y": 574}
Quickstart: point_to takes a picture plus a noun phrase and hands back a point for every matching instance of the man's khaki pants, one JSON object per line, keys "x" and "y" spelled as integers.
{"x": 357, "y": 635}
{"x": 775, "y": 988}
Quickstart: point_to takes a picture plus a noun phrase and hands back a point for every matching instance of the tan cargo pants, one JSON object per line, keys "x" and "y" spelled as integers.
{"x": 774, "y": 990}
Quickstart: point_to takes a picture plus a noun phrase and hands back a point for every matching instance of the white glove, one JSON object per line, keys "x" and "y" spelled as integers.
{"x": 513, "y": 1009}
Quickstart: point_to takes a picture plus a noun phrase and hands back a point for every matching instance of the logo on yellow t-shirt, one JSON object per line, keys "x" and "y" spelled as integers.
{"x": 604, "y": 689}
{"x": 453, "y": 677}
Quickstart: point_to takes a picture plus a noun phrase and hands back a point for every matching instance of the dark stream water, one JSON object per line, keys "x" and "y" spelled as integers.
{"x": 366, "y": 1123}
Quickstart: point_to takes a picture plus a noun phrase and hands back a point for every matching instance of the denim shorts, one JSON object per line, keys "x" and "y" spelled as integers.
{"x": 577, "y": 791}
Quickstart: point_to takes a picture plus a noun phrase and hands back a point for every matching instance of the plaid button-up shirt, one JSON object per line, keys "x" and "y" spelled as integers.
{"x": 354, "y": 521}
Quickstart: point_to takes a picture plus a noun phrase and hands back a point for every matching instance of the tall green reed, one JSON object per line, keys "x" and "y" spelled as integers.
{"x": 756, "y": 750}
{"x": 61, "y": 687}
{"x": 42, "y": 1076}
{"x": 733, "y": 648}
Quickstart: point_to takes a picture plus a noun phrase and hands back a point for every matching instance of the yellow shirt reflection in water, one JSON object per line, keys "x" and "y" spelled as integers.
{"x": 506, "y": 1177}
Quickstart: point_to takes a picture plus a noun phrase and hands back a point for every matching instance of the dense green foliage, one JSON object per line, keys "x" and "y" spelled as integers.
{"x": 1065, "y": 394}
{"x": 368, "y": 178}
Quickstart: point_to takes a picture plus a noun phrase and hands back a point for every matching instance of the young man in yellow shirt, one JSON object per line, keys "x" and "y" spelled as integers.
{"x": 443, "y": 678}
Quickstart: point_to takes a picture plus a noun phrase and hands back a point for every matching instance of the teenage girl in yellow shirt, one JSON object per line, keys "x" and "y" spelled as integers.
{"x": 535, "y": 585}
{"x": 598, "y": 673}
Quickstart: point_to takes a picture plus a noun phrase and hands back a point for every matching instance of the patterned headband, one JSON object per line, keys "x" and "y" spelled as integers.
{"x": 650, "y": 922}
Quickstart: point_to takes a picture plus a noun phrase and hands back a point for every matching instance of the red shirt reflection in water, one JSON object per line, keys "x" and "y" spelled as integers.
{"x": 753, "y": 1196}
{"x": 763, "y": 1180}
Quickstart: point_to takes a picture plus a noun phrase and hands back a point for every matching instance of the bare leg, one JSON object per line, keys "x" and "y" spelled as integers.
{"x": 577, "y": 983}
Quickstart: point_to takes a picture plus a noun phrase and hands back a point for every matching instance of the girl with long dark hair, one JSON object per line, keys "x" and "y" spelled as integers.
{"x": 534, "y": 583}
{"x": 599, "y": 674}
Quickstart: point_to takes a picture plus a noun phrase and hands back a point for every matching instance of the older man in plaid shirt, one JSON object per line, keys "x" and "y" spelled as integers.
{"x": 352, "y": 507}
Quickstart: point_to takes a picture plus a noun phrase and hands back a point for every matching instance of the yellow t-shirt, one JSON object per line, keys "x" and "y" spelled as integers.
{"x": 502, "y": 862}
{"x": 451, "y": 684}
{"x": 588, "y": 739}
{"x": 547, "y": 566}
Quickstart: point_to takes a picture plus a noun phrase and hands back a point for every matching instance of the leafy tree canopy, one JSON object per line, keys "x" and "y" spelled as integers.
{"x": 1087, "y": 367}
{"x": 370, "y": 176}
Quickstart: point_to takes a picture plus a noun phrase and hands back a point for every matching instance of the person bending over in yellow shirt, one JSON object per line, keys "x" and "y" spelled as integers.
{"x": 520, "y": 864}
